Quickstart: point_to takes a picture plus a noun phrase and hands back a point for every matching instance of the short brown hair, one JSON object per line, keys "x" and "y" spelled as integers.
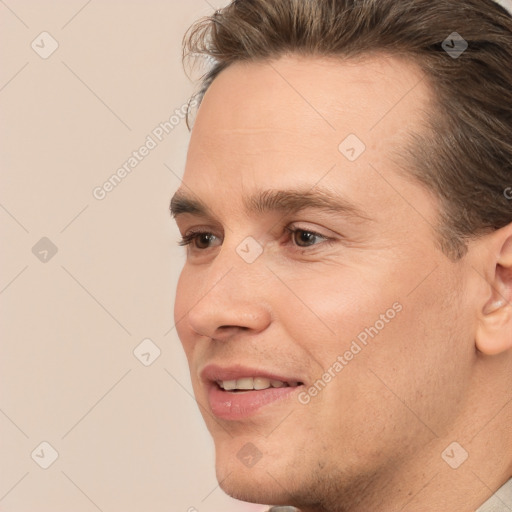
{"x": 465, "y": 155}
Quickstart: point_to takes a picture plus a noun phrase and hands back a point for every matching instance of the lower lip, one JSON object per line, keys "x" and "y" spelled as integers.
{"x": 236, "y": 406}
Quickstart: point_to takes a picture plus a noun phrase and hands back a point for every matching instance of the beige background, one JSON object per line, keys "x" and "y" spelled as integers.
{"x": 129, "y": 437}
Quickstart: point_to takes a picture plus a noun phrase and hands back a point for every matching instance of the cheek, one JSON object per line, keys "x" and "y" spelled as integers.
{"x": 329, "y": 310}
{"x": 388, "y": 337}
{"x": 183, "y": 302}
{"x": 423, "y": 353}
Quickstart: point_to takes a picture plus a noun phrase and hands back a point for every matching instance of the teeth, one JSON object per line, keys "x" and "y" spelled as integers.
{"x": 250, "y": 383}
{"x": 261, "y": 383}
{"x": 228, "y": 385}
{"x": 247, "y": 383}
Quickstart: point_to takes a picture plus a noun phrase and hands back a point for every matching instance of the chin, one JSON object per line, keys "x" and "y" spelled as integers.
{"x": 253, "y": 487}
{"x": 248, "y": 474}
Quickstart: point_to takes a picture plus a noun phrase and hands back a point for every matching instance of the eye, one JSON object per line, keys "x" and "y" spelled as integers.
{"x": 198, "y": 239}
{"x": 305, "y": 237}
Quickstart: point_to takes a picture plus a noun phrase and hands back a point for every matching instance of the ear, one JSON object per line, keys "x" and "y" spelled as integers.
{"x": 494, "y": 332}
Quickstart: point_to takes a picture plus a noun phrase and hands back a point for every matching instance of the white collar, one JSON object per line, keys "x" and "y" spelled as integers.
{"x": 500, "y": 501}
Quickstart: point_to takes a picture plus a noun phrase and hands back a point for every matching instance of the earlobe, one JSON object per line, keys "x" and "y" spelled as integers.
{"x": 494, "y": 332}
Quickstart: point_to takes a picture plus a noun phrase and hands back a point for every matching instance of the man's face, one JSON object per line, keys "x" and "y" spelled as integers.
{"x": 357, "y": 311}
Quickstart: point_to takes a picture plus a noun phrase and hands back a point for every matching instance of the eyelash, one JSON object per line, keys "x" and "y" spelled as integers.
{"x": 190, "y": 237}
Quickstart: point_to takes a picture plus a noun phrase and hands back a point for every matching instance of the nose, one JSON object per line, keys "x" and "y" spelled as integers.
{"x": 232, "y": 300}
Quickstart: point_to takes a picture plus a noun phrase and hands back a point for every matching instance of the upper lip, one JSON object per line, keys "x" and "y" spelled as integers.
{"x": 214, "y": 373}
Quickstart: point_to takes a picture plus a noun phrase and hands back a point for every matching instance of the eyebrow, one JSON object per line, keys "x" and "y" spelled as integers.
{"x": 280, "y": 201}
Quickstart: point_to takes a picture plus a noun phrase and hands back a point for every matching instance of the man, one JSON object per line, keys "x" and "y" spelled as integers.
{"x": 345, "y": 306}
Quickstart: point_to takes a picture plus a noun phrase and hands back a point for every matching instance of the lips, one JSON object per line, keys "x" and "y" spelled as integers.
{"x": 237, "y": 392}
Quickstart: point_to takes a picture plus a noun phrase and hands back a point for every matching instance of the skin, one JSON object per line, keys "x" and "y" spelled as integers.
{"x": 439, "y": 372}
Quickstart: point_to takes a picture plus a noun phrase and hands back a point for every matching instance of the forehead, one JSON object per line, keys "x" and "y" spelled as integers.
{"x": 281, "y": 123}
{"x": 324, "y": 92}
